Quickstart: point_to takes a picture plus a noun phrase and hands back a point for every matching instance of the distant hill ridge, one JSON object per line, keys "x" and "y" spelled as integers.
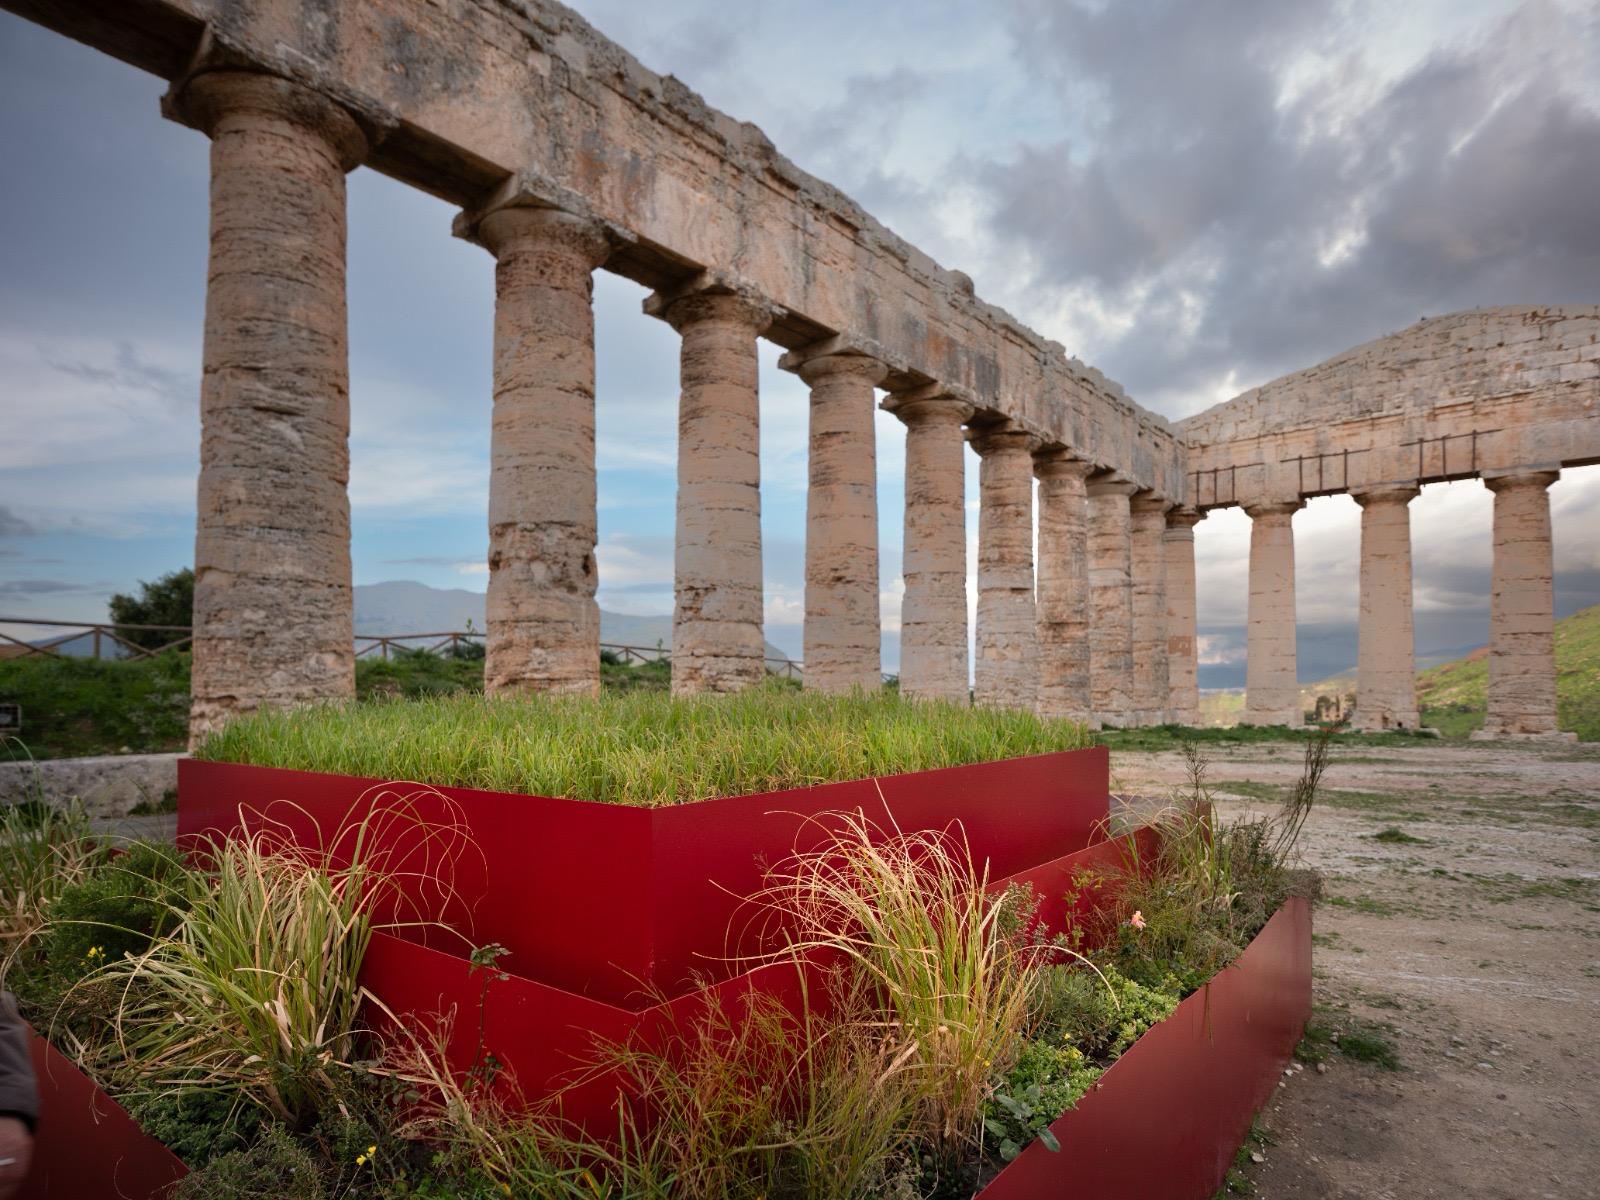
{"x": 1454, "y": 695}
{"x": 402, "y": 606}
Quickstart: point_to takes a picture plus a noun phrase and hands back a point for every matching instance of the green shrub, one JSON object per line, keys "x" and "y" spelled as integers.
{"x": 131, "y": 900}
{"x": 77, "y": 706}
{"x": 1047, "y": 1080}
{"x": 275, "y": 1167}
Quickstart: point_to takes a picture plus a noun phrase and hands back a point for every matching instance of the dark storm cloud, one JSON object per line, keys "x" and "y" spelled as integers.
{"x": 1199, "y": 200}
{"x": 12, "y": 525}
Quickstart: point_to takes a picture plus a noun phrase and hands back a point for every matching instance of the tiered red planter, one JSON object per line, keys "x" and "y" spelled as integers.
{"x": 617, "y": 921}
{"x": 610, "y": 900}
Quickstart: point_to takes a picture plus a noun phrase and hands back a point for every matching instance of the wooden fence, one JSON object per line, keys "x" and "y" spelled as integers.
{"x": 106, "y": 640}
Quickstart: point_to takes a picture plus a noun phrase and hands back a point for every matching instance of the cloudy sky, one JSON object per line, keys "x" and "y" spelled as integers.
{"x": 1194, "y": 195}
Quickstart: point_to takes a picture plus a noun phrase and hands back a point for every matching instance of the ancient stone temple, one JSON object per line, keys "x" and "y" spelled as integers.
{"x": 566, "y": 156}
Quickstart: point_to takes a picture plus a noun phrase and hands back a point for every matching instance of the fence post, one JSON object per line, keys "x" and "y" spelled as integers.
{"x": 97, "y": 642}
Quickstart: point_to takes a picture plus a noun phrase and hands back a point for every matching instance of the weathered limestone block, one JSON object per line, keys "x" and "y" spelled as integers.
{"x": 717, "y": 643}
{"x": 1111, "y": 598}
{"x": 933, "y": 613}
{"x": 272, "y": 605}
{"x": 1148, "y": 569}
{"x": 1063, "y": 591}
{"x": 1522, "y": 654}
{"x": 111, "y": 785}
{"x": 843, "y": 629}
{"x": 1386, "y": 687}
{"x": 1006, "y": 669}
{"x": 544, "y": 624}
{"x": 1182, "y": 652}
{"x": 1272, "y": 689}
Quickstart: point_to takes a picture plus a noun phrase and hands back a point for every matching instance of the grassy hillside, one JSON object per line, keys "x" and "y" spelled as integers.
{"x": 1452, "y": 696}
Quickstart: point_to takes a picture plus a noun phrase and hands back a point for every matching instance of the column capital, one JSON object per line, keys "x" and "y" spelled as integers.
{"x": 1057, "y": 462}
{"x": 931, "y": 403}
{"x": 713, "y": 297}
{"x": 1149, "y": 504}
{"x": 207, "y": 99}
{"x": 990, "y": 439}
{"x": 845, "y": 346}
{"x": 1110, "y": 485}
{"x": 1271, "y": 510}
{"x": 1508, "y": 481}
{"x": 1182, "y": 520}
{"x": 504, "y": 228}
{"x": 827, "y": 366}
{"x": 1386, "y": 493}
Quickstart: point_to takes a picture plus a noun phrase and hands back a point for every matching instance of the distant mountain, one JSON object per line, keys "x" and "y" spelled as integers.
{"x": 405, "y": 606}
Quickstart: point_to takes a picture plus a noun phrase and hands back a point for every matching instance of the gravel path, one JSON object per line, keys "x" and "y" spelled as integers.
{"x": 1477, "y": 946}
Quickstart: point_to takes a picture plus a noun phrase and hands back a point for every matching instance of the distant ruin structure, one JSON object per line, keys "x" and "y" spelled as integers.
{"x": 566, "y": 156}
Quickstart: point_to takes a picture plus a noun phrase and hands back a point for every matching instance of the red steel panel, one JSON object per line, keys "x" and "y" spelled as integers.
{"x": 545, "y": 1036}
{"x": 1165, "y": 1120}
{"x": 87, "y": 1146}
{"x": 606, "y": 899}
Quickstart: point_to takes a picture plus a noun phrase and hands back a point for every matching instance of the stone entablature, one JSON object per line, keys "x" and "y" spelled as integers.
{"x": 466, "y": 96}
{"x": 1450, "y": 398}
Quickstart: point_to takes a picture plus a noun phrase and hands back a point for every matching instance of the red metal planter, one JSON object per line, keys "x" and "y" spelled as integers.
{"x": 608, "y": 900}
{"x": 1164, "y": 1122}
{"x": 546, "y": 1038}
{"x": 86, "y": 1144}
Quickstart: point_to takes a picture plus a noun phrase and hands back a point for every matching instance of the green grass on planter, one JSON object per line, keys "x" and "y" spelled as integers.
{"x": 642, "y": 748}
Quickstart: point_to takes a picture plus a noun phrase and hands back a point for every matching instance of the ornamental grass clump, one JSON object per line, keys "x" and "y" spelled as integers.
{"x": 944, "y": 953}
{"x": 44, "y": 850}
{"x": 254, "y": 994}
{"x": 641, "y": 748}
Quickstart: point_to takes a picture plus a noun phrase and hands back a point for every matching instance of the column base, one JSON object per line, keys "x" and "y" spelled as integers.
{"x": 1387, "y": 723}
{"x": 1559, "y": 736}
{"x": 1291, "y": 718}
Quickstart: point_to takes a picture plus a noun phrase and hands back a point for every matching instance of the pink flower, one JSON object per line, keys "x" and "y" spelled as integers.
{"x": 1137, "y": 920}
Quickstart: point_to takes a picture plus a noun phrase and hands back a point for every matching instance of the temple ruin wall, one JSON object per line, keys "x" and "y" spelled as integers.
{"x": 467, "y": 97}
{"x": 1469, "y": 394}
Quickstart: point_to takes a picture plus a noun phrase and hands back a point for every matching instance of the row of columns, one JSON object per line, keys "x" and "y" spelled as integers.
{"x": 1104, "y": 630}
{"x": 1522, "y": 667}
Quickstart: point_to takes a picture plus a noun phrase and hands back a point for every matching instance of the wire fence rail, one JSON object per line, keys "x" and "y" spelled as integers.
{"x": 106, "y": 640}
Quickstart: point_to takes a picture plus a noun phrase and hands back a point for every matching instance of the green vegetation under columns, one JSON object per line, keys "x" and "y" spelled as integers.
{"x": 640, "y": 748}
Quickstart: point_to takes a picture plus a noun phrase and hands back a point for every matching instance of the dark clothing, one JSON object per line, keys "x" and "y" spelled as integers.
{"x": 19, "y": 1091}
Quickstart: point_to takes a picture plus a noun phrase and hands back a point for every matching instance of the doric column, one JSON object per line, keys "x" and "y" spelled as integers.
{"x": 272, "y": 623}
{"x": 544, "y": 624}
{"x": 1007, "y": 665}
{"x": 843, "y": 629}
{"x": 717, "y": 642}
{"x": 1386, "y": 682}
{"x": 1522, "y": 655}
{"x": 1272, "y": 688}
{"x": 1182, "y": 657}
{"x": 1111, "y": 601}
{"x": 933, "y": 613}
{"x": 1147, "y": 528}
{"x": 1063, "y": 591}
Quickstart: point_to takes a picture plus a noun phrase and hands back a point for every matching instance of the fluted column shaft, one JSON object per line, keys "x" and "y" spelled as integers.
{"x": 717, "y": 642}
{"x": 1522, "y": 655}
{"x": 1147, "y": 528}
{"x": 544, "y": 624}
{"x": 1182, "y": 635}
{"x": 933, "y": 613}
{"x": 1272, "y": 687}
{"x": 843, "y": 629}
{"x": 1111, "y": 600}
{"x": 272, "y": 603}
{"x": 1007, "y": 665}
{"x": 1063, "y": 591}
{"x": 1386, "y": 684}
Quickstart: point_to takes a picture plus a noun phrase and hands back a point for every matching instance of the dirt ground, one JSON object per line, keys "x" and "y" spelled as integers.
{"x": 1475, "y": 948}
